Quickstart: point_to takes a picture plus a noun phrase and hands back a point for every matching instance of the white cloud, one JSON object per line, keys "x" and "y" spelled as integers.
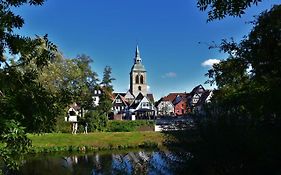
{"x": 148, "y": 87}
{"x": 210, "y": 62}
{"x": 169, "y": 75}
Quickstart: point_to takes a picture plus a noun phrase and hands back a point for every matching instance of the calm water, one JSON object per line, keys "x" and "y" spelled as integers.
{"x": 134, "y": 162}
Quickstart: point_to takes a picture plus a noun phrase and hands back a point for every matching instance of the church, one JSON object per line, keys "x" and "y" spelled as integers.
{"x": 137, "y": 103}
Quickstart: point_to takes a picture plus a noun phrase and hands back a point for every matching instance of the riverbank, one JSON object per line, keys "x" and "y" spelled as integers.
{"x": 55, "y": 142}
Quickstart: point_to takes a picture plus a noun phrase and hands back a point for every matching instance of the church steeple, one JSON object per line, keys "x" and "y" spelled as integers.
{"x": 138, "y": 76}
{"x": 137, "y": 55}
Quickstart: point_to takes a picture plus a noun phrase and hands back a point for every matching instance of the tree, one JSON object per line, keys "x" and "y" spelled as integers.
{"x": 107, "y": 79}
{"x": 23, "y": 101}
{"x": 219, "y": 9}
{"x": 72, "y": 80}
{"x": 260, "y": 52}
{"x": 96, "y": 120}
{"x": 105, "y": 105}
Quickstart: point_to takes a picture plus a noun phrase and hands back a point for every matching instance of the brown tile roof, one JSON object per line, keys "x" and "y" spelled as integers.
{"x": 75, "y": 106}
{"x": 150, "y": 97}
{"x": 172, "y": 96}
{"x": 124, "y": 100}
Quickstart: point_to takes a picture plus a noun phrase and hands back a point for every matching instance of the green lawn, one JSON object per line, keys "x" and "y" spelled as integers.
{"x": 99, "y": 140}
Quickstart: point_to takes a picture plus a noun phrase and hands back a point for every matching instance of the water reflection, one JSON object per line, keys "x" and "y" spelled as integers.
{"x": 136, "y": 162}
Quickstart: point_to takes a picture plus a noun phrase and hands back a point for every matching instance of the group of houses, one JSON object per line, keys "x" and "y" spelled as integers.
{"x": 178, "y": 104}
{"x": 137, "y": 103}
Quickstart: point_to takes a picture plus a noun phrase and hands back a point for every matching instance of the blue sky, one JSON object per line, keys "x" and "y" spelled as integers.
{"x": 167, "y": 32}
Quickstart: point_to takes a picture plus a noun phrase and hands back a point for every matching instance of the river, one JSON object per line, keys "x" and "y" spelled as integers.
{"x": 120, "y": 162}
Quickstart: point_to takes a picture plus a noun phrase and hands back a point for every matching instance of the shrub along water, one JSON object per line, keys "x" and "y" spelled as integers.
{"x": 128, "y": 125}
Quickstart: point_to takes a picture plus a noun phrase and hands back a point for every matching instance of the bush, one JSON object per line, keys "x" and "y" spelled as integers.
{"x": 96, "y": 121}
{"x": 62, "y": 126}
{"x": 128, "y": 125}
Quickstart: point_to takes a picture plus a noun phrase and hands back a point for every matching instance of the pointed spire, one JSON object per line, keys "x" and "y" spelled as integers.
{"x": 137, "y": 56}
{"x": 137, "y": 51}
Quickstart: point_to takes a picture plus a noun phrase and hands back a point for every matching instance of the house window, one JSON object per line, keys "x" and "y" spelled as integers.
{"x": 137, "y": 79}
{"x": 139, "y": 88}
{"x": 141, "y": 79}
{"x": 118, "y": 100}
{"x": 72, "y": 113}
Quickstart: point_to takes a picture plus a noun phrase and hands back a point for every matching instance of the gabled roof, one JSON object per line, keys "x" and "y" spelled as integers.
{"x": 119, "y": 93}
{"x": 137, "y": 101}
{"x": 129, "y": 95}
{"x": 118, "y": 96}
{"x": 198, "y": 90}
{"x": 150, "y": 97}
{"x": 75, "y": 107}
{"x": 204, "y": 97}
{"x": 172, "y": 96}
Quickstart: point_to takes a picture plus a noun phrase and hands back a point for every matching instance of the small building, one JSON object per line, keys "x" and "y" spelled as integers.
{"x": 180, "y": 105}
{"x": 73, "y": 113}
{"x": 165, "y": 108}
{"x": 174, "y": 104}
{"x": 97, "y": 93}
{"x": 119, "y": 107}
{"x": 142, "y": 108}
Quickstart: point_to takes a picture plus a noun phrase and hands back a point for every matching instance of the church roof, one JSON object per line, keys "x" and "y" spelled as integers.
{"x": 138, "y": 66}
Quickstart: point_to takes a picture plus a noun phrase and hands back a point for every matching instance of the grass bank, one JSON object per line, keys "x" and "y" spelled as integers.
{"x": 55, "y": 142}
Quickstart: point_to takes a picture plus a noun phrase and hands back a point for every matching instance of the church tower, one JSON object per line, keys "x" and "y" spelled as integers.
{"x": 138, "y": 76}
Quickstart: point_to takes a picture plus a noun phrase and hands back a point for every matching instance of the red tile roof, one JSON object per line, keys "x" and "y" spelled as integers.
{"x": 171, "y": 96}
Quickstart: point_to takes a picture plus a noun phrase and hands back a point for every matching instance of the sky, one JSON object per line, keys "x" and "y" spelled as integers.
{"x": 173, "y": 37}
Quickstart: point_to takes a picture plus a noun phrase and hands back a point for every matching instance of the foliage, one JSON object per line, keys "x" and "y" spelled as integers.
{"x": 105, "y": 104}
{"x": 107, "y": 79}
{"x": 240, "y": 134}
{"x": 96, "y": 120}
{"x": 219, "y": 9}
{"x": 127, "y": 126}
{"x": 62, "y": 126}
{"x": 71, "y": 80}
{"x": 255, "y": 93}
{"x": 13, "y": 143}
{"x": 23, "y": 101}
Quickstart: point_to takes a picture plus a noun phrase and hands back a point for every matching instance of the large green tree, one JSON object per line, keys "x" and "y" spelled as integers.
{"x": 249, "y": 80}
{"x": 25, "y": 103}
{"x": 71, "y": 80}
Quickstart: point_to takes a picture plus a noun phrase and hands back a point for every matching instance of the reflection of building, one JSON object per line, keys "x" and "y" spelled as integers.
{"x": 137, "y": 103}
